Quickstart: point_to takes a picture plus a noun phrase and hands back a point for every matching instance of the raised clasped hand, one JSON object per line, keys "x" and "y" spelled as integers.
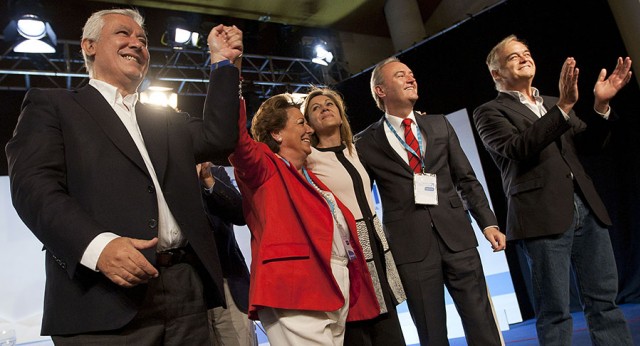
{"x": 225, "y": 43}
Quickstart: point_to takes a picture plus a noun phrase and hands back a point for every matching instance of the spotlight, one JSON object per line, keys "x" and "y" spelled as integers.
{"x": 159, "y": 96}
{"x": 180, "y": 35}
{"x": 322, "y": 55}
{"x": 31, "y": 34}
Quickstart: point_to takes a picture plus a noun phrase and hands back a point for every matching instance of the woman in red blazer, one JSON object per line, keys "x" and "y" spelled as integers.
{"x": 308, "y": 274}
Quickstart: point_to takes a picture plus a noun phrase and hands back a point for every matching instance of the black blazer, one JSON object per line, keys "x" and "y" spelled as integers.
{"x": 538, "y": 159}
{"x": 224, "y": 209}
{"x": 408, "y": 223}
{"x": 75, "y": 173}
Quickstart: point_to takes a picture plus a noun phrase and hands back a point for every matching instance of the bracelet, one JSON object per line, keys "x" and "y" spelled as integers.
{"x": 222, "y": 63}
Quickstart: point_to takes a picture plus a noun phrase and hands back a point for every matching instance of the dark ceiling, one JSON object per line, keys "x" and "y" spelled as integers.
{"x": 267, "y": 21}
{"x": 357, "y": 16}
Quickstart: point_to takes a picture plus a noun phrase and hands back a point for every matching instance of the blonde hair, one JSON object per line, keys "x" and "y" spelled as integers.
{"x": 377, "y": 79}
{"x": 345, "y": 129}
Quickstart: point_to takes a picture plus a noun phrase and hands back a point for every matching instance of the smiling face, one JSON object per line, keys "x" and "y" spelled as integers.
{"x": 324, "y": 115}
{"x": 517, "y": 67}
{"x": 295, "y": 137}
{"x": 399, "y": 88}
{"x": 121, "y": 56}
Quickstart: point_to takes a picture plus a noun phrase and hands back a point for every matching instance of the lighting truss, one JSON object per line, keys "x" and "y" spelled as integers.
{"x": 185, "y": 71}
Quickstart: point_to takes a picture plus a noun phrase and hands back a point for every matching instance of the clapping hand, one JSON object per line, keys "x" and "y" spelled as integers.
{"x": 606, "y": 88}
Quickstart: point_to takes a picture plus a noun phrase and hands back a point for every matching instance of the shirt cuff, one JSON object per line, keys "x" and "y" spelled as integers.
{"x": 604, "y": 115}
{"x": 565, "y": 115}
{"x": 93, "y": 251}
{"x": 496, "y": 226}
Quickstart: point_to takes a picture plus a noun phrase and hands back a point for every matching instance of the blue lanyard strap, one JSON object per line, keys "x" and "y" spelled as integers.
{"x": 329, "y": 202}
{"x": 405, "y": 145}
{"x": 344, "y": 234}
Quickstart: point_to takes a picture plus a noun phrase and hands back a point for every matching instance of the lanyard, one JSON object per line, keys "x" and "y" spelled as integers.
{"x": 329, "y": 201}
{"x": 344, "y": 234}
{"x": 405, "y": 145}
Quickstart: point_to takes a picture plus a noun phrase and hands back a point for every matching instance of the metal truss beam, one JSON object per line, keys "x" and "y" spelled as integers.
{"x": 185, "y": 71}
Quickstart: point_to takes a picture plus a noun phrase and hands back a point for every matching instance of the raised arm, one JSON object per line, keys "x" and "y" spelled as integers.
{"x": 216, "y": 139}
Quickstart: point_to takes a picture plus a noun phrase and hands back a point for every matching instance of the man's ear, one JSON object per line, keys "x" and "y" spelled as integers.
{"x": 495, "y": 74}
{"x": 88, "y": 46}
{"x": 379, "y": 91}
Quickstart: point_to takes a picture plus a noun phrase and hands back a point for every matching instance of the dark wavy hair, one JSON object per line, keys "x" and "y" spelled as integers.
{"x": 271, "y": 116}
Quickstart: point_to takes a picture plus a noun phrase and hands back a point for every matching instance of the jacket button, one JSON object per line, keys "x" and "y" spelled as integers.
{"x": 153, "y": 223}
{"x": 150, "y": 189}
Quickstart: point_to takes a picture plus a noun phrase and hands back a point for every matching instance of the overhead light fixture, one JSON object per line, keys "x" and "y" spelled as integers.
{"x": 159, "y": 96}
{"x": 321, "y": 55}
{"x": 180, "y": 34}
{"x": 31, "y": 34}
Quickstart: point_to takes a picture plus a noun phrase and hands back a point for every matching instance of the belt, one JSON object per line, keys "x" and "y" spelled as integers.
{"x": 171, "y": 257}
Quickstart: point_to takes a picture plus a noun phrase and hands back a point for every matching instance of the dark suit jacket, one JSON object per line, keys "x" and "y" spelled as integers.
{"x": 537, "y": 157}
{"x": 224, "y": 209}
{"x": 75, "y": 173}
{"x": 408, "y": 223}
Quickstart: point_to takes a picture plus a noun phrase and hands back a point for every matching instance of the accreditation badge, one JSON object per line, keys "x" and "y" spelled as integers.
{"x": 425, "y": 188}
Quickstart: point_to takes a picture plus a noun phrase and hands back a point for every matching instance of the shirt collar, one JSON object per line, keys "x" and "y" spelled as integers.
{"x": 111, "y": 94}
{"x": 396, "y": 122}
{"x": 523, "y": 99}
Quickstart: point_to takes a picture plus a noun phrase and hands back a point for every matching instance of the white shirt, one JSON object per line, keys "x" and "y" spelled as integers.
{"x": 169, "y": 234}
{"x": 396, "y": 123}
{"x": 538, "y": 107}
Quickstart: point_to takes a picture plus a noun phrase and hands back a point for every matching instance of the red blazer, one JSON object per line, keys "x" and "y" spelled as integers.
{"x": 291, "y": 238}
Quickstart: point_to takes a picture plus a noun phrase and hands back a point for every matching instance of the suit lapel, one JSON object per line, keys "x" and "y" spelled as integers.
{"x": 97, "y": 107}
{"x": 154, "y": 126}
{"x": 517, "y": 106}
{"x": 381, "y": 138}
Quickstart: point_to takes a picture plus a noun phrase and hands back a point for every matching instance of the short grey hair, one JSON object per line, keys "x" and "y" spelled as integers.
{"x": 376, "y": 79}
{"x": 95, "y": 23}
{"x": 493, "y": 62}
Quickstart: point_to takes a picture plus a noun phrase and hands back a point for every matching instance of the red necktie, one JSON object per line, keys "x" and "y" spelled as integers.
{"x": 414, "y": 161}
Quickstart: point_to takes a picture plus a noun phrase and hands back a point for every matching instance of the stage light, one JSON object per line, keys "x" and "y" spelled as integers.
{"x": 180, "y": 35}
{"x": 322, "y": 55}
{"x": 31, "y": 34}
{"x": 159, "y": 96}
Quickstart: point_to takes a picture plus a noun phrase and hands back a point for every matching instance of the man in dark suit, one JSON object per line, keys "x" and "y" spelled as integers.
{"x": 223, "y": 206}
{"x": 553, "y": 207}
{"x": 109, "y": 186}
{"x": 419, "y": 170}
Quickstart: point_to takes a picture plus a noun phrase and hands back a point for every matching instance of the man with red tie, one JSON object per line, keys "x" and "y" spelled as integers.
{"x": 423, "y": 177}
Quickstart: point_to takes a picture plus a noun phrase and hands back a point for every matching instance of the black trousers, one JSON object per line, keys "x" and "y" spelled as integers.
{"x": 462, "y": 273}
{"x": 173, "y": 313}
